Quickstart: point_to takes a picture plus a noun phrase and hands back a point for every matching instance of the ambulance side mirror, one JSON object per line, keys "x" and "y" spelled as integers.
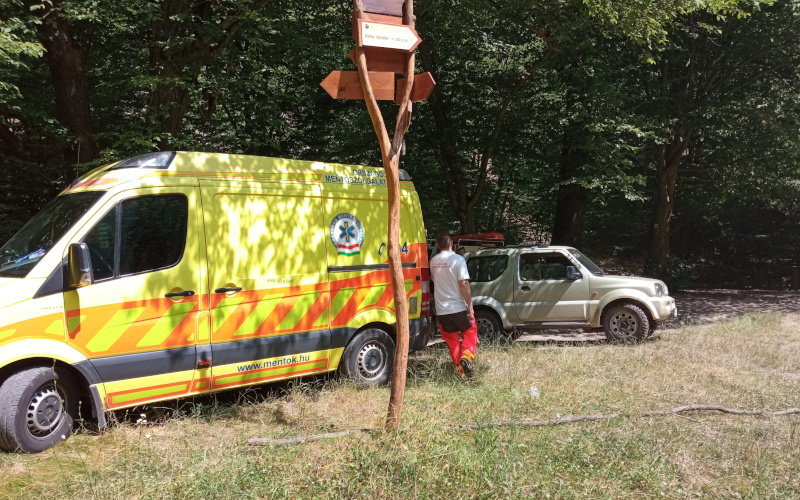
{"x": 79, "y": 264}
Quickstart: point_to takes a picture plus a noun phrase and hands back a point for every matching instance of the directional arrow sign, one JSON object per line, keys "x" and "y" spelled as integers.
{"x": 346, "y": 85}
{"x": 388, "y": 36}
{"x": 423, "y": 86}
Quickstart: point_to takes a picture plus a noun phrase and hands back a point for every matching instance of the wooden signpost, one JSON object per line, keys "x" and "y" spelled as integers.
{"x": 385, "y": 43}
{"x": 386, "y": 7}
{"x": 347, "y": 85}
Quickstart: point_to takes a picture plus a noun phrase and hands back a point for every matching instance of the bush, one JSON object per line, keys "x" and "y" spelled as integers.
{"x": 677, "y": 274}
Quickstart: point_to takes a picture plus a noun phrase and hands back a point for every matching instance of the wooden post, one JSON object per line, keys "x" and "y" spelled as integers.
{"x": 390, "y": 153}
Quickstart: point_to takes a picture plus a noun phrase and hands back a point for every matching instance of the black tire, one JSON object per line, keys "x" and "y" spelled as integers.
{"x": 37, "y": 408}
{"x": 490, "y": 328}
{"x": 626, "y": 323}
{"x": 369, "y": 358}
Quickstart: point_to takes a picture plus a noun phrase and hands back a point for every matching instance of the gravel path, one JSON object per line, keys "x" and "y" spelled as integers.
{"x": 694, "y": 307}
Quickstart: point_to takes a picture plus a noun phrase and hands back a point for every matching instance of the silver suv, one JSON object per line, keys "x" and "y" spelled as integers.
{"x": 554, "y": 287}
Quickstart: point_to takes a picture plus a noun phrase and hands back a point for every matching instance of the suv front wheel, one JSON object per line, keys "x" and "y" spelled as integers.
{"x": 489, "y": 326}
{"x": 626, "y": 323}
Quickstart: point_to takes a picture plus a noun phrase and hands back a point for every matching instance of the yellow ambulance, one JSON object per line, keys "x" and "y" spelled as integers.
{"x": 174, "y": 274}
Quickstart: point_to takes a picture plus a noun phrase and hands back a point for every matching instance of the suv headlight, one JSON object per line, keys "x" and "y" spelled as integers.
{"x": 661, "y": 289}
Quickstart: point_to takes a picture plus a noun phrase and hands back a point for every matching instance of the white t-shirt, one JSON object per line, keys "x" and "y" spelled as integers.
{"x": 447, "y": 269}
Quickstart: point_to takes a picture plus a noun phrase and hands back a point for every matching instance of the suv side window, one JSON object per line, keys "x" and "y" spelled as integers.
{"x": 484, "y": 269}
{"x": 139, "y": 235}
{"x": 543, "y": 266}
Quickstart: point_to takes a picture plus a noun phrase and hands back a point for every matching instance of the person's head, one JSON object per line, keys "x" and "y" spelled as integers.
{"x": 461, "y": 251}
{"x": 443, "y": 242}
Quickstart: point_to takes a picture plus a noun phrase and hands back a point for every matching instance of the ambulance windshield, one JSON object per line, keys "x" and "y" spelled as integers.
{"x": 21, "y": 253}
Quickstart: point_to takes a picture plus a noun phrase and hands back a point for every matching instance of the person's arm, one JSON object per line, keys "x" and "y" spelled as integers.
{"x": 466, "y": 293}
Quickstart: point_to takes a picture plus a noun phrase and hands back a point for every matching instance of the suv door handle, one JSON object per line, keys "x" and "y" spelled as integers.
{"x": 187, "y": 293}
{"x": 226, "y": 290}
{"x": 525, "y": 288}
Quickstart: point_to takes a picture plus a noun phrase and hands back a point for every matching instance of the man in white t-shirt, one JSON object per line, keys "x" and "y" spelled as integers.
{"x": 454, "y": 305}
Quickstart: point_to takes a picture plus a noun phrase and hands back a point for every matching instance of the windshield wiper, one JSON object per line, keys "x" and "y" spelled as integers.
{"x": 33, "y": 255}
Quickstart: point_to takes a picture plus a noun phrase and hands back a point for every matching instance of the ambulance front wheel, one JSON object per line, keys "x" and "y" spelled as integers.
{"x": 369, "y": 358}
{"x": 37, "y": 408}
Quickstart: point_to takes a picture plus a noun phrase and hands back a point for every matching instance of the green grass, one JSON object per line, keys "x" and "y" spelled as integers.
{"x": 197, "y": 449}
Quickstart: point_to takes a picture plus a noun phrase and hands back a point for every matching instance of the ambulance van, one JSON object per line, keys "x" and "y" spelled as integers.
{"x": 175, "y": 274}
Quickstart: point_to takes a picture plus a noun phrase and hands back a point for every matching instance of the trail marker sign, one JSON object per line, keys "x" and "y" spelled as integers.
{"x": 387, "y": 36}
{"x": 423, "y": 86}
{"x": 346, "y": 85}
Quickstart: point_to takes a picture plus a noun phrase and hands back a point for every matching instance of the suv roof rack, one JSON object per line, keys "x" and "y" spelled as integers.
{"x": 529, "y": 245}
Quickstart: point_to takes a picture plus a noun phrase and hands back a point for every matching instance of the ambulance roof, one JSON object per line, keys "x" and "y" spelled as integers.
{"x": 220, "y": 165}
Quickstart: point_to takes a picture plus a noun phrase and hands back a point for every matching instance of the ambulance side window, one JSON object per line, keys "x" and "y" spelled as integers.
{"x": 152, "y": 232}
{"x": 139, "y": 235}
{"x": 102, "y": 242}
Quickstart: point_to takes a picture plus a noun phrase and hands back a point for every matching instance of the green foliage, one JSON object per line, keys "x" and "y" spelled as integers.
{"x": 548, "y": 77}
{"x": 647, "y": 22}
{"x": 14, "y": 52}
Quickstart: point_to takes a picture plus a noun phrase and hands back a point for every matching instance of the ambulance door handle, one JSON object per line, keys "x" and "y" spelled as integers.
{"x": 187, "y": 293}
{"x": 228, "y": 290}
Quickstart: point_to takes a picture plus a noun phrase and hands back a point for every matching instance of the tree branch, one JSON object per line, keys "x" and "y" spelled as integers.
{"x": 677, "y": 411}
{"x": 26, "y": 151}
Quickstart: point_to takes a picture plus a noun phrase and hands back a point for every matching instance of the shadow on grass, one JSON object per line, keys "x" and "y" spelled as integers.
{"x": 432, "y": 365}
{"x": 226, "y": 405}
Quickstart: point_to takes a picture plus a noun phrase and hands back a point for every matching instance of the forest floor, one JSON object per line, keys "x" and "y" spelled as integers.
{"x": 197, "y": 448}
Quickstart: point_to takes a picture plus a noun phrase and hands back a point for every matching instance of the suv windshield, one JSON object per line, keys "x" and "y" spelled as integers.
{"x": 21, "y": 253}
{"x": 588, "y": 264}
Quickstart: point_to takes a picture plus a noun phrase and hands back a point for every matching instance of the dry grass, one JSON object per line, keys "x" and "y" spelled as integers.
{"x": 197, "y": 449}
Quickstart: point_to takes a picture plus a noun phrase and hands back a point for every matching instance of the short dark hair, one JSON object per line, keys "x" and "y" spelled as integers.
{"x": 443, "y": 241}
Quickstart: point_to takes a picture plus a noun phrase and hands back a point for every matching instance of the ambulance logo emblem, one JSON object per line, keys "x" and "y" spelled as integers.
{"x": 347, "y": 234}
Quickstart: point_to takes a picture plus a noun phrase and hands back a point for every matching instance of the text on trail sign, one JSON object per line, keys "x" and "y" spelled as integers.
{"x": 389, "y": 36}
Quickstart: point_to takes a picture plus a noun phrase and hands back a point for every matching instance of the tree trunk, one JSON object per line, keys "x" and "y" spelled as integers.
{"x": 688, "y": 237}
{"x": 669, "y": 162}
{"x": 572, "y": 199}
{"x": 168, "y": 102}
{"x": 170, "y": 98}
{"x": 66, "y": 59}
{"x": 464, "y": 202}
{"x": 390, "y": 153}
{"x": 446, "y": 152}
{"x": 178, "y": 69}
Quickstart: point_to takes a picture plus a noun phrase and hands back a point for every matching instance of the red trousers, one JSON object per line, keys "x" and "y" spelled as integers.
{"x": 461, "y": 348}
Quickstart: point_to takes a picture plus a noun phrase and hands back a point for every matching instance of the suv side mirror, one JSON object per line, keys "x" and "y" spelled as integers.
{"x": 573, "y": 273}
{"x": 79, "y": 265}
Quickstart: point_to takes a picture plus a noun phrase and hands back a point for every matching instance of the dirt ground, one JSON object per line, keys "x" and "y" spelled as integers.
{"x": 695, "y": 307}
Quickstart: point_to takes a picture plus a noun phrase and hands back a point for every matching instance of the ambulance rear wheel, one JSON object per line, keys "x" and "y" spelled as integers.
{"x": 369, "y": 358}
{"x": 37, "y": 408}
